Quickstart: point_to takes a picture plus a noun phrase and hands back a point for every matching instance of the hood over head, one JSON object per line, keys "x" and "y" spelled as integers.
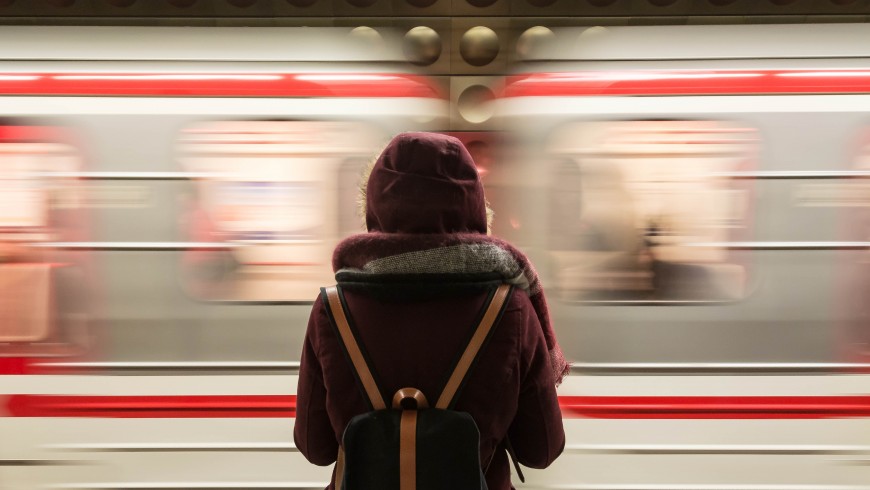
{"x": 425, "y": 183}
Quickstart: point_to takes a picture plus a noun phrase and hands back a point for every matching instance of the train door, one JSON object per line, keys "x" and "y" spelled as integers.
{"x": 852, "y": 195}
{"x": 43, "y": 292}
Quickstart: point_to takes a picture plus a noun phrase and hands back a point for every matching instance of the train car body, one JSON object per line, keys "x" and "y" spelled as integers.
{"x": 693, "y": 199}
{"x": 697, "y": 200}
{"x": 211, "y": 170}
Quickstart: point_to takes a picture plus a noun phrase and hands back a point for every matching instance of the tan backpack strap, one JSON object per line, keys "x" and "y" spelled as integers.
{"x": 356, "y": 356}
{"x": 408, "y": 450}
{"x": 339, "y": 468}
{"x": 474, "y": 345}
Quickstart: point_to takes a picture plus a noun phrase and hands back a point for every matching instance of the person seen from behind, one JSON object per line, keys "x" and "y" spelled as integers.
{"x": 415, "y": 286}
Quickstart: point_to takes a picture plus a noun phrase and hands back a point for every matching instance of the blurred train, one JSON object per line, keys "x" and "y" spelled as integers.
{"x": 705, "y": 190}
{"x": 695, "y": 200}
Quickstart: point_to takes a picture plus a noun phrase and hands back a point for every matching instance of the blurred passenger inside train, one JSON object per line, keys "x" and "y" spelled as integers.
{"x": 415, "y": 286}
{"x": 637, "y": 211}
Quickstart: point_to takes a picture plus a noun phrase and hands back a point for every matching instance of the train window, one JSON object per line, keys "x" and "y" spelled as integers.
{"x": 43, "y": 303}
{"x": 267, "y": 193}
{"x": 638, "y": 212}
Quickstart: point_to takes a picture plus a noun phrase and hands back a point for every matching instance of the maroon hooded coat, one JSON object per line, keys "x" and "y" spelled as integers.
{"x": 414, "y": 325}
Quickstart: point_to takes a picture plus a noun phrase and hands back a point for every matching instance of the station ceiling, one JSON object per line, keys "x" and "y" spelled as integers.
{"x": 327, "y": 12}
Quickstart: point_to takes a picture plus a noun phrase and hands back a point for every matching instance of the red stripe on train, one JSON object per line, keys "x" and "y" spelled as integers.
{"x": 283, "y": 406}
{"x": 688, "y": 82}
{"x": 387, "y": 85}
{"x": 15, "y": 365}
{"x": 210, "y": 406}
{"x": 715, "y": 407}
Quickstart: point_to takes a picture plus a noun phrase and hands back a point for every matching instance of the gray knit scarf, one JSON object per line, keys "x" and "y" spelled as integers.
{"x": 462, "y": 253}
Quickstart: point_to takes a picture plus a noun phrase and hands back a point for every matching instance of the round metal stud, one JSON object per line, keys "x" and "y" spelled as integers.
{"x": 367, "y": 35}
{"x": 474, "y": 104}
{"x": 479, "y": 46}
{"x": 422, "y": 46}
{"x": 530, "y": 41}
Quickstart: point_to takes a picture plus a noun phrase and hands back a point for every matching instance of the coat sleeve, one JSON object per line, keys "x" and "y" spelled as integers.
{"x": 313, "y": 433}
{"x": 536, "y": 433}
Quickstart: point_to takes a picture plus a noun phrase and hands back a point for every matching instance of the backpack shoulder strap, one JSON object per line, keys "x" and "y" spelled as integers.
{"x": 346, "y": 337}
{"x": 481, "y": 333}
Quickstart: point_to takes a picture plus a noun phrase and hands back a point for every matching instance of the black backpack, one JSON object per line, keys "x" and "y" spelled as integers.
{"x": 410, "y": 446}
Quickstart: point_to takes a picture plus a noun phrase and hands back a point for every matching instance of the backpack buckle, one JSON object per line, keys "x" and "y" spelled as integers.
{"x": 410, "y": 399}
